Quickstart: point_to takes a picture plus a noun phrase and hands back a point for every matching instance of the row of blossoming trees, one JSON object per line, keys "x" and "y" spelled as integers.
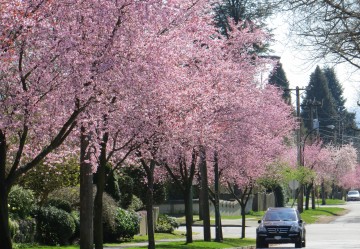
{"x": 148, "y": 82}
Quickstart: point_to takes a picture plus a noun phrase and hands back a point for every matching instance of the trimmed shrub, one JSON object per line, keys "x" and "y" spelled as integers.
{"x": 59, "y": 203}
{"x": 21, "y": 202}
{"x": 127, "y": 225}
{"x": 26, "y": 232}
{"x": 136, "y": 204}
{"x": 54, "y": 226}
{"x": 76, "y": 217}
{"x": 14, "y": 227}
{"x": 166, "y": 224}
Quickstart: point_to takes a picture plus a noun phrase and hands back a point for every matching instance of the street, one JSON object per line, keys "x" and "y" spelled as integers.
{"x": 341, "y": 233}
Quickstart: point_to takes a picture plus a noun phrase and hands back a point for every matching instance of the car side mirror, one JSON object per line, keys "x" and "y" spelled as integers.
{"x": 301, "y": 221}
{"x": 259, "y": 221}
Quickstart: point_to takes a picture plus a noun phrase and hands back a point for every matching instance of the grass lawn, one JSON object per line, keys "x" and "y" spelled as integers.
{"x": 227, "y": 243}
{"x": 313, "y": 215}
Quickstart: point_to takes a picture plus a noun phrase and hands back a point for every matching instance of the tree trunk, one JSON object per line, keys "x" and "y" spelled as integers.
{"x": 218, "y": 228}
{"x": 98, "y": 202}
{"x": 201, "y": 201}
{"x": 188, "y": 215}
{"x": 5, "y": 237}
{"x": 205, "y": 195}
{"x": 323, "y": 198}
{"x": 243, "y": 221}
{"x": 313, "y": 201}
{"x": 307, "y": 195}
{"x": 149, "y": 211}
{"x": 86, "y": 195}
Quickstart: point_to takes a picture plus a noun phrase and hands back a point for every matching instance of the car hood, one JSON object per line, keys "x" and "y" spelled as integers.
{"x": 279, "y": 223}
{"x": 353, "y": 195}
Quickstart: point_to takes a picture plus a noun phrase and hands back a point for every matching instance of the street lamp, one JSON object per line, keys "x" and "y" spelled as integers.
{"x": 301, "y": 156}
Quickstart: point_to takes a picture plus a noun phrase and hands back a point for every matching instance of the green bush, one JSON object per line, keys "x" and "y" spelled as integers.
{"x": 127, "y": 225}
{"x": 76, "y": 217}
{"x": 70, "y": 194}
{"x": 136, "y": 204}
{"x": 26, "y": 232}
{"x": 21, "y": 202}
{"x": 59, "y": 203}
{"x": 14, "y": 227}
{"x": 166, "y": 224}
{"x": 54, "y": 226}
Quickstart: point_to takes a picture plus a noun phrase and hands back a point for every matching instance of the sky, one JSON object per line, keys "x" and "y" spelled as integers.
{"x": 298, "y": 68}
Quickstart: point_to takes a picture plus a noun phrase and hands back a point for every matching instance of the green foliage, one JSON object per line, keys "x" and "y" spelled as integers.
{"x": 44, "y": 179}
{"x": 302, "y": 174}
{"x": 279, "y": 196}
{"x": 126, "y": 185}
{"x": 112, "y": 184}
{"x": 132, "y": 182}
{"x": 14, "y": 227}
{"x": 136, "y": 204}
{"x": 59, "y": 203}
{"x": 127, "y": 225}
{"x": 70, "y": 194}
{"x": 26, "y": 232}
{"x": 278, "y": 78}
{"x": 318, "y": 97}
{"x": 21, "y": 202}
{"x": 54, "y": 226}
{"x": 166, "y": 224}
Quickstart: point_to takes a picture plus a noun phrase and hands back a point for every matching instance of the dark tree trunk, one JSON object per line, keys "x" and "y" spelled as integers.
{"x": 243, "y": 219}
{"x": 242, "y": 199}
{"x": 5, "y": 237}
{"x": 205, "y": 195}
{"x": 323, "y": 197}
{"x": 307, "y": 195}
{"x": 188, "y": 215}
{"x": 313, "y": 201}
{"x": 86, "y": 195}
{"x": 149, "y": 210}
{"x": 98, "y": 202}
{"x": 201, "y": 202}
{"x": 218, "y": 228}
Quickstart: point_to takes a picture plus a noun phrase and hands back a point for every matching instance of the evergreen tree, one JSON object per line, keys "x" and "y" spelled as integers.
{"x": 346, "y": 120}
{"x": 319, "y": 104}
{"x": 278, "y": 78}
{"x": 241, "y": 10}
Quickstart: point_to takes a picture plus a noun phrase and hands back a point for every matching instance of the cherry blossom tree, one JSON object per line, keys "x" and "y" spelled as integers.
{"x": 255, "y": 139}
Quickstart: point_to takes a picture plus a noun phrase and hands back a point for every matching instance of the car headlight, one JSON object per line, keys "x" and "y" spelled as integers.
{"x": 295, "y": 228}
{"x": 261, "y": 228}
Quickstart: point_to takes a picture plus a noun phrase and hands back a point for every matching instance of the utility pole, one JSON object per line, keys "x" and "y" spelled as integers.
{"x": 299, "y": 147}
{"x": 310, "y": 187}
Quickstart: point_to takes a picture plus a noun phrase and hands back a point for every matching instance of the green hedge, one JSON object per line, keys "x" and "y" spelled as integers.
{"x": 54, "y": 226}
{"x": 166, "y": 224}
{"x": 127, "y": 224}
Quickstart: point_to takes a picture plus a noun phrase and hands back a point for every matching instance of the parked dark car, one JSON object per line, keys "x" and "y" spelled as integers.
{"x": 281, "y": 225}
{"x": 353, "y": 195}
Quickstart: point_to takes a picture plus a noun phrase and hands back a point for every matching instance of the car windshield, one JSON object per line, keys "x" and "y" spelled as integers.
{"x": 276, "y": 215}
{"x": 353, "y": 193}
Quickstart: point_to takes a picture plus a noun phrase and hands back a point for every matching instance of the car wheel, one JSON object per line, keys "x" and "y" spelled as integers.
{"x": 298, "y": 244}
{"x": 261, "y": 244}
{"x": 258, "y": 243}
{"x": 304, "y": 243}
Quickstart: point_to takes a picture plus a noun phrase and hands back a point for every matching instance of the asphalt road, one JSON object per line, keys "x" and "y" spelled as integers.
{"x": 342, "y": 233}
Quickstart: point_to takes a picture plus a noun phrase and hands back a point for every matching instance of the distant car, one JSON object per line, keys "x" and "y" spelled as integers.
{"x": 281, "y": 225}
{"x": 353, "y": 195}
